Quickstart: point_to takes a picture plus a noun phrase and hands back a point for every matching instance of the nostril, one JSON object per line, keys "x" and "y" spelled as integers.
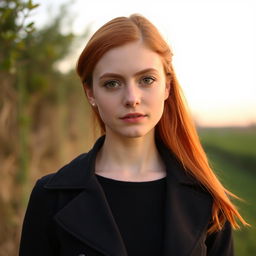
{"x": 131, "y": 105}
{"x": 132, "y": 102}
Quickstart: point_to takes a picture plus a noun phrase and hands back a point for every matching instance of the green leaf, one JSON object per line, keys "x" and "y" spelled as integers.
{"x": 34, "y": 6}
{"x": 31, "y": 6}
{"x": 30, "y": 25}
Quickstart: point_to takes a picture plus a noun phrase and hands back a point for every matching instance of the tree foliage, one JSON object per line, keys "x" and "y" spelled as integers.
{"x": 34, "y": 107}
{"x": 14, "y": 28}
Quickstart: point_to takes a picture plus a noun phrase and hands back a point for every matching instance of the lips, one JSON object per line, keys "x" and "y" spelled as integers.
{"x": 132, "y": 115}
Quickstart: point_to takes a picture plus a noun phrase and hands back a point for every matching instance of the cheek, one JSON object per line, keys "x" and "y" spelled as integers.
{"x": 106, "y": 108}
{"x": 157, "y": 102}
{"x": 157, "y": 96}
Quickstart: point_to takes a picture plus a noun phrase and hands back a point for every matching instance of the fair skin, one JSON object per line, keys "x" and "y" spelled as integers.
{"x": 129, "y": 79}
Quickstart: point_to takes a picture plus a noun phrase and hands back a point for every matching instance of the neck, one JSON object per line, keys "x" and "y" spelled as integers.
{"x": 129, "y": 158}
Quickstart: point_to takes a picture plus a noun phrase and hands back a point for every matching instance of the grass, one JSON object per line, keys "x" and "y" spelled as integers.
{"x": 240, "y": 141}
{"x": 232, "y": 155}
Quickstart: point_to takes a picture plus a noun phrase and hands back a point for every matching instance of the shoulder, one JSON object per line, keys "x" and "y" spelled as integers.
{"x": 44, "y": 194}
{"x": 69, "y": 175}
{"x": 66, "y": 171}
{"x": 77, "y": 173}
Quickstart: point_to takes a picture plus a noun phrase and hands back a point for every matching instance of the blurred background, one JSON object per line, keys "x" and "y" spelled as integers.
{"x": 45, "y": 119}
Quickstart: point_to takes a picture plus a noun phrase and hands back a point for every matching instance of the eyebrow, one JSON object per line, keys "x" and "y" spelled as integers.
{"x": 136, "y": 74}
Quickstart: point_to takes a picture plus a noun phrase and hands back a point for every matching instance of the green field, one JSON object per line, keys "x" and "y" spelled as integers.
{"x": 232, "y": 154}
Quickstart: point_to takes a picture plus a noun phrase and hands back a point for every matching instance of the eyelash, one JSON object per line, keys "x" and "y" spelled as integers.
{"x": 109, "y": 82}
{"x": 149, "y": 77}
{"x": 105, "y": 84}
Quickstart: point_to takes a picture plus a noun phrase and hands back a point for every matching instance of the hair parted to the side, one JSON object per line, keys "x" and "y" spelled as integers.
{"x": 176, "y": 128}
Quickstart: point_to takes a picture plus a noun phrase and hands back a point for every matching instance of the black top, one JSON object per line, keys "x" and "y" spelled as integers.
{"x": 138, "y": 209}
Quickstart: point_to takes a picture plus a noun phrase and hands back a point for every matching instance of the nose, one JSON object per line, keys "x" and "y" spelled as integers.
{"x": 132, "y": 96}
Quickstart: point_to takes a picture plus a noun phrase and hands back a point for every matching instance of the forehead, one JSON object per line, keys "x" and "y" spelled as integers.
{"x": 128, "y": 59}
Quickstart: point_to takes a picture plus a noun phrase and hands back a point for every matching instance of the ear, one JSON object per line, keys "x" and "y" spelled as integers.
{"x": 89, "y": 93}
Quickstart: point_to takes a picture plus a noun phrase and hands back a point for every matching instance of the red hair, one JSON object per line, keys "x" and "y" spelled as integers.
{"x": 176, "y": 128}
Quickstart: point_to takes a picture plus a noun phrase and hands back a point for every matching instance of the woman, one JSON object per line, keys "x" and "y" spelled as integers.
{"x": 145, "y": 188}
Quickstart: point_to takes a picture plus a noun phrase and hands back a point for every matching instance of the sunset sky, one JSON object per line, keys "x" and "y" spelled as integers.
{"x": 214, "y": 45}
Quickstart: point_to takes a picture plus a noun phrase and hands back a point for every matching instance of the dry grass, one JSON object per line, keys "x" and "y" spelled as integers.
{"x": 53, "y": 140}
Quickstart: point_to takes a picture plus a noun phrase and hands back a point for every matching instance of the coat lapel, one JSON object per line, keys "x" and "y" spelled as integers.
{"x": 187, "y": 216}
{"x": 89, "y": 218}
{"x": 188, "y": 208}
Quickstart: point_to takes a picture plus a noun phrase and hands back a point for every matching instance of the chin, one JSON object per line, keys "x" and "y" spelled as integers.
{"x": 134, "y": 134}
{"x": 130, "y": 132}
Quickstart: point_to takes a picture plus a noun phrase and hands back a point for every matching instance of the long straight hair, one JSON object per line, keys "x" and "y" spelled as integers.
{"x": 176, "y": 128}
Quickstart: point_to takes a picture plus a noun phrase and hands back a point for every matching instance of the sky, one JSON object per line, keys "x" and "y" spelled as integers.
{"x": 214, "y": 46}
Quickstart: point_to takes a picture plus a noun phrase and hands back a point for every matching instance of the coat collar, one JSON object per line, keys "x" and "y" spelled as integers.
{"x": 89, "y": 217}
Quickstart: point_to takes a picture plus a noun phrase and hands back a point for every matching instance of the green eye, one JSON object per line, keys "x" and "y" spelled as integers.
{"x": 148, "y": 80}
{"x": 111, "y": 84}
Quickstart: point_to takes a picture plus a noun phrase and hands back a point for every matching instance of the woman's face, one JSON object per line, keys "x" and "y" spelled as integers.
{"x": 129, "y": 79}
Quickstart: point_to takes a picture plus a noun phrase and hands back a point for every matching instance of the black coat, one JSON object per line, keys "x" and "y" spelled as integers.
{"x": 68, "y": 214}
